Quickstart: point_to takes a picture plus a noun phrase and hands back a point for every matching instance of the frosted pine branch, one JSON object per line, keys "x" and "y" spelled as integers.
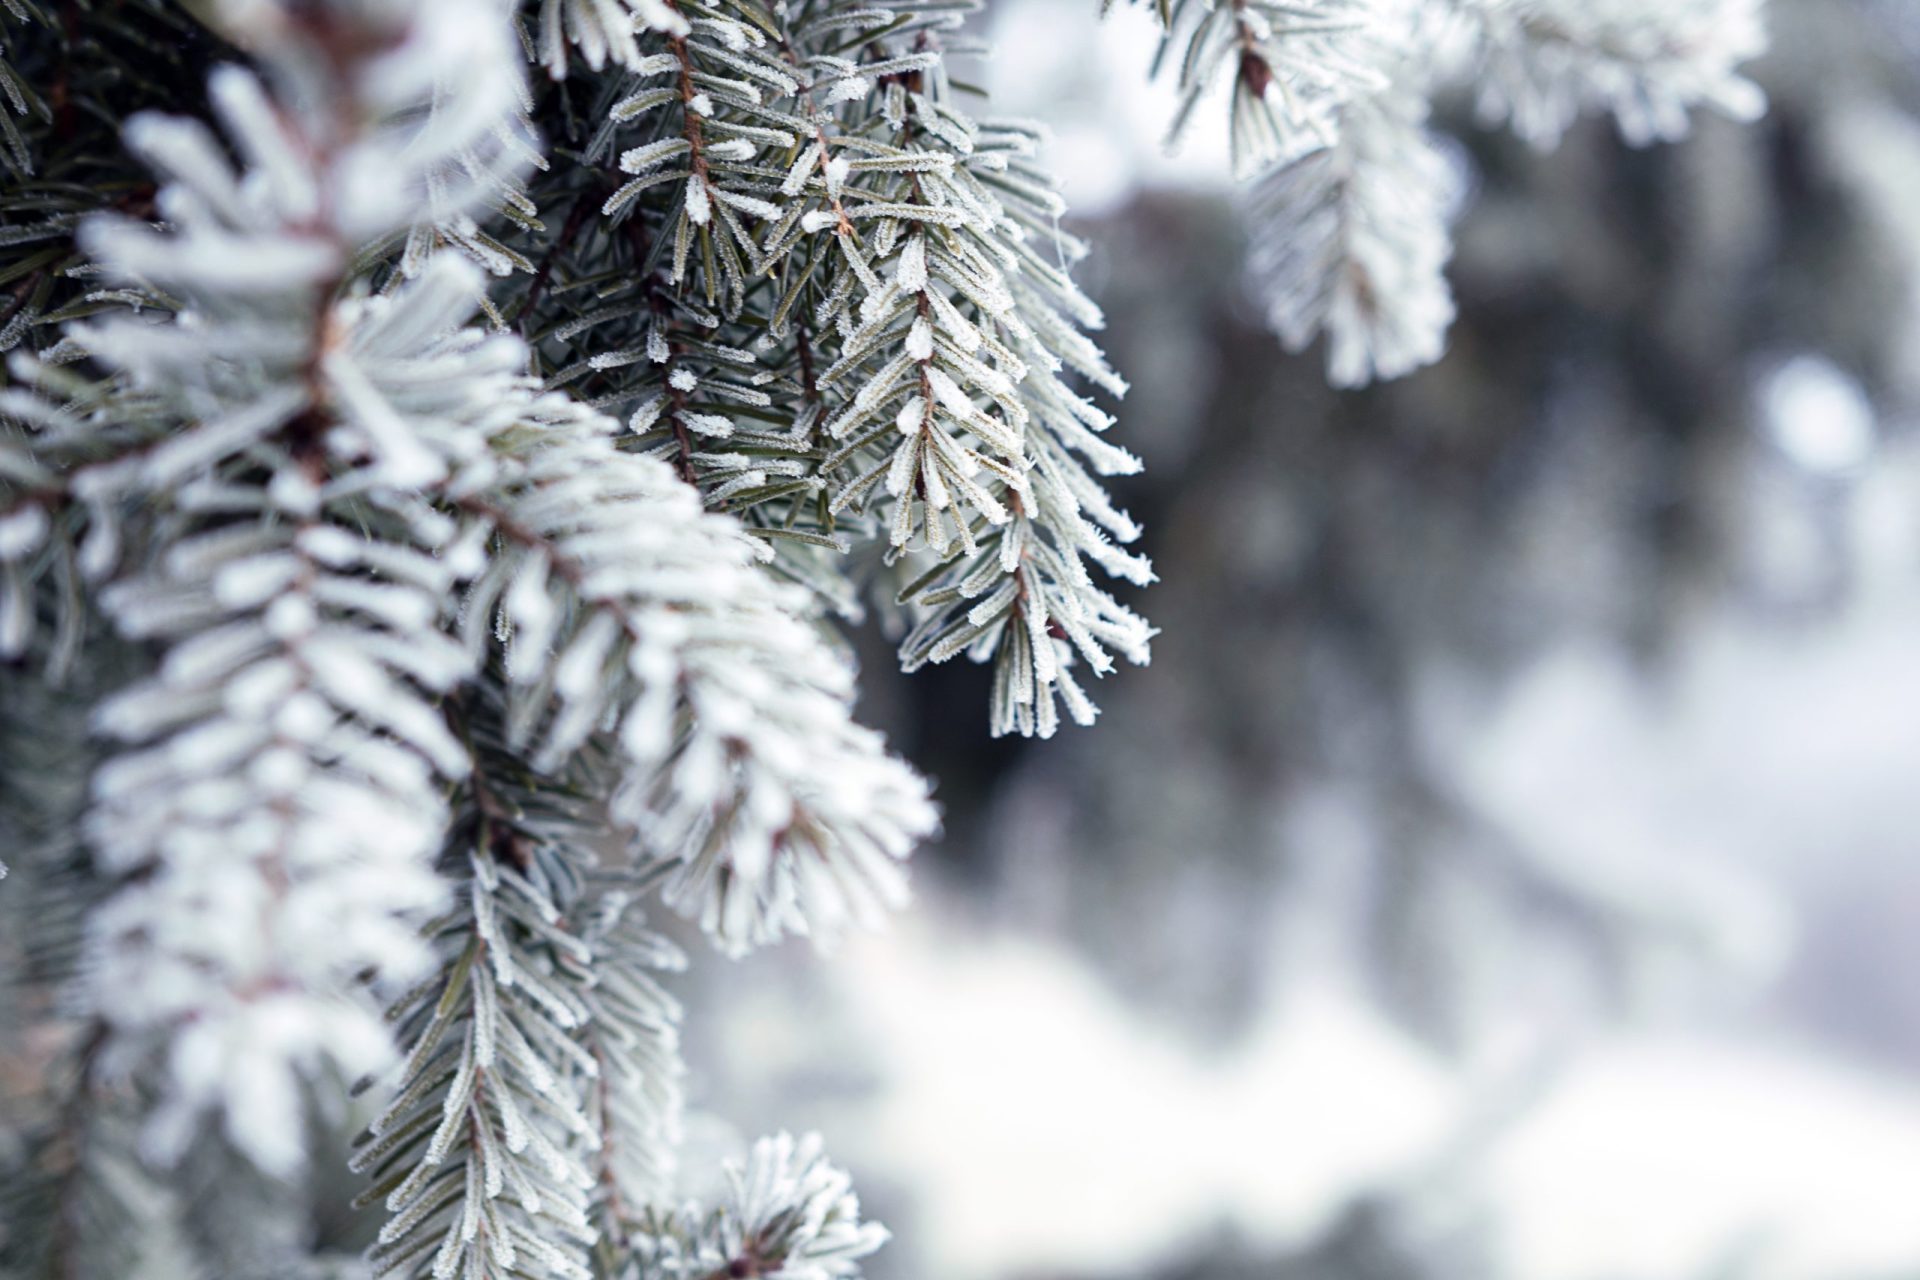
{"x": 326, "y": 468}
{"x": 632, "y": 1035}
{"x": 482, "y": 1157}
{"x": 601, "y": 31}
{"x": 1352, "y": 241}
{"x": 21, "y": 100}
{"x": 278, "y": 798}
{"x": 740, "y": 765}
{"x": 839, "y": 243}
{"x": 538, "y": 1108}
{"x": 1650, "y": 63}
{"x": 787, "y": 1215}
{"x": 1348, "y": 215}
{"x": 1289, "y": 65}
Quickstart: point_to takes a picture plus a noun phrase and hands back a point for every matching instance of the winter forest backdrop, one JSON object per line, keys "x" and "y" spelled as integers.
{"x": 1505, "y": 868}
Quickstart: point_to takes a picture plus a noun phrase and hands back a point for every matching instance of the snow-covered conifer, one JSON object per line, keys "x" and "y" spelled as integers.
{"x": 440, "y": 443}
{"x": 1348, "y": 215}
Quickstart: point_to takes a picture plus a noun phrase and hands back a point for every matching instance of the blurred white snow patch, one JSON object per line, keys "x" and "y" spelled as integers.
{"x": 1049, "y": 1128}
{"x": 1043, "y": 1127}
{"x": 1086, "y": 76}
{"x": 1639, "y": 800}
{"x": 1818, "y": 416}
{"x": 1757, "y": 752}
{"x": 1758, "y": 764}
{"x": 1658, "y": 1159}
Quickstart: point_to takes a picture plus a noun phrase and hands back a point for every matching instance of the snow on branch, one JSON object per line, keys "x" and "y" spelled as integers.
{"x": 322, "y": 468}
{"x": 624, "y": 606}
{"x": 1348, "y": 214}
{"x": 539, "y": 1101}
{"x": 787, "y": 1214}
{"x": 915, "y": 376}
{"x": 1352, "y": 240}
{"x": 1650, "y": 63}
{"x": 1289, "y": 64}
{"x": 279, "y": 794}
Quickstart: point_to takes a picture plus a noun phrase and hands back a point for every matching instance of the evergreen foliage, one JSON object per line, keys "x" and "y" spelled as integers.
{"x": 439, "y": 439}
{"x": 1350, "y": 230}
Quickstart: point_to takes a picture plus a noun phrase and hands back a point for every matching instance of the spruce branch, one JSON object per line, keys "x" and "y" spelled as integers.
{"x": 1649, "y": 63}
{"x": 1352, "y": 241}
{"x": 477, "y": 1158}
{"x": 1350, "y": 201}
{"x": 320, "y": 469}
{"x": 539, "y": 1099}
{"x": 1291, "y": 65}
{"x": 787, "y": 1214}
{"x": 277, "y": 800}
{"x": 776, "y": 359}
{"x": 739, "y": 765}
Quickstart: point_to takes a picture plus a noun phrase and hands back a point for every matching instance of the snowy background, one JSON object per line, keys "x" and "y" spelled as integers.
{"x": 1507, "y": 868}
